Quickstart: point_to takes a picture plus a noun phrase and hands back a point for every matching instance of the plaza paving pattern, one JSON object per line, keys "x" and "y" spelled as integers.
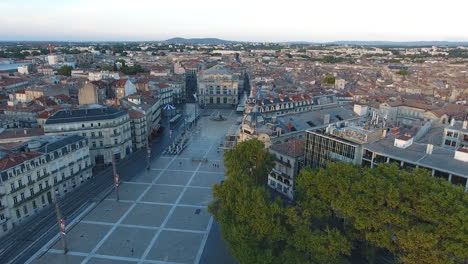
{"x": 162, "y": 216}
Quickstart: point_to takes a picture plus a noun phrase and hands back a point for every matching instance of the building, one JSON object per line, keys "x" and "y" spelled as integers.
{"x": 144, "y": 110}
{"x": 24, "y": 69}
{"x": 53, "y": 59}
{"x": 340, "y": 84}
{"x": 273, "y": 104}
{"x": 292, "y": 126}
{"x": 107, "y": 130}
{"x": 165, "y": 92}
{"x": 139, "y": 129}
{"x": 289, "y": 160}
{"x": 92, "y": 93}
{"x": 123, "y": 88}
{"x": 371, "y": 143}
{"x": 46, "y": 70}
{"x": 456, "y": 134}
{"x": 84, "y": 58}
{"x": 218, "y": 86}
{"x": 45, "y": 167}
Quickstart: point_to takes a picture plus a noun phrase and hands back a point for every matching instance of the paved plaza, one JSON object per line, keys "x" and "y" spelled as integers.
{"x": 162, "y": 216}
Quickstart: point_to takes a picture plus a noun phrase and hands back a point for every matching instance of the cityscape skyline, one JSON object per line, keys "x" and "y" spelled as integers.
{"x": 84, "y": 20}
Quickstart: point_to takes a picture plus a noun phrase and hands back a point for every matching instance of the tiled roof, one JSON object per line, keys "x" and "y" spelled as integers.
{"x": 13, "y": 159}
{"x": 292, "y": 148}
{"x": 84, "y": 115}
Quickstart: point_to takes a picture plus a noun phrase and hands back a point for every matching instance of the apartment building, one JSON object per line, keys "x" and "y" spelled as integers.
{"x": 289, "y": 160}
{"x": 107, "y": 130}
{"x": 45, "y": 167}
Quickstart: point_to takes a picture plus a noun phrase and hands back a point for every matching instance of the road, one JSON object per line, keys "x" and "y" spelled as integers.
{"x": 19, "y": 245}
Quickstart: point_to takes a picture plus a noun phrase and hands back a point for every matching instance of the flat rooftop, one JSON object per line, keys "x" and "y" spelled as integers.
{"x": 441, "y": 159}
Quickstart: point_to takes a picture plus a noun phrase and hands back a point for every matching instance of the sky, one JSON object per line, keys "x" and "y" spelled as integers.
{"x": 242, "y": 20}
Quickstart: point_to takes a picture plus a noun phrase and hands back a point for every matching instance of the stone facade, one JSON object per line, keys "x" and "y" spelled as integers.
{"x": 218, "y": 86}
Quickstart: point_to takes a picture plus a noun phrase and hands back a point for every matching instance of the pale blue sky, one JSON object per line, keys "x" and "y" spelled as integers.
{"x": 248, "y": 20}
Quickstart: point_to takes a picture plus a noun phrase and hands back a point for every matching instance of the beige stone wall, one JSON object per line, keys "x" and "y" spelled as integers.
{"x": 87, "y": 94}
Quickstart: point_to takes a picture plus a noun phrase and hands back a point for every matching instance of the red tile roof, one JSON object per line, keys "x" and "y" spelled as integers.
{"x": 13, "y": 159}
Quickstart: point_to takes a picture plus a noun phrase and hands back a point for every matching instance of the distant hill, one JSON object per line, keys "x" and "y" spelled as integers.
{"x": 401, "y": 43}
{"x": 199, "y": 41}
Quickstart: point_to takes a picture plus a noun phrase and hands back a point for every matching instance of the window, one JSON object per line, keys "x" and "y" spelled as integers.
{"x": 22, "y": 196}
{"x": 100, "y": 133}
{"x": 20, "y": 183}
{"x": 2, "y": 217}
{"x": 25, "y": 209}
{"x": 84, "y": 134}
{"x": 94, "y": 144}
{"x": 40, "y": 186}
{"x": 18, "y": 213}
{"x": 29, "y": 179}
{"x": 31, "y": 191}
{"x": 93, "y": 134}
{"x": 15, "y": 199}
{"x": 55, "y": 179}
{"x": 12, "y": 185}
{"x": 99, "y": 124}
{"x": 34, "y": 205}
{"x": 47, "y": 184}
{"x": 92, "y": 125}
{"x": 43, "y": 199}
{"x": 116, "y": 141}
{"x": 82, "y": 125}
{"x": 101, "y": 143}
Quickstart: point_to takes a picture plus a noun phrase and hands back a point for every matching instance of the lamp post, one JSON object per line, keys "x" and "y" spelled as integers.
{"x": 116, "y": 177}
{"x": 148, "y": 156}
{"x": 60, "y": 222}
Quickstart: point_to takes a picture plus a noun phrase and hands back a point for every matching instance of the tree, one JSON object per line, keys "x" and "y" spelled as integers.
{"x": 249, "y": 158}
{"x": 65, "y": 70}
{"x": 259, "y": 229}
{"x": 419, "y": 218}
{"x": 107, "y": 68}
{"x": 402, "y": 72}
{"x": 329, "y": 80}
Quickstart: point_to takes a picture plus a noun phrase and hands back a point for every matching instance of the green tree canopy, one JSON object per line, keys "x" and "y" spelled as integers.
{"x": 249, "y": 158}
{"x": 419, "y": 218}
{"x": 402, "y": 72}
{"x": 259, "y": 229}
{"x": 65, "y": 70}
{"x": 329, "y": 80}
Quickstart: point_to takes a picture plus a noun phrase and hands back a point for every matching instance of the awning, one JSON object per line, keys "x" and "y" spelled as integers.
{"x": 169, "y": 107}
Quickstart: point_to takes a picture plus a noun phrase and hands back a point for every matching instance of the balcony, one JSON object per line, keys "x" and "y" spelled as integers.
{"x": 287, "y": 164}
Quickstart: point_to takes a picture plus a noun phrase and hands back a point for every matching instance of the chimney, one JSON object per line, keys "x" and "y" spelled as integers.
{"x": 384, "y": 133}
{"x": 429, "y": 148}
{"x": 465, "y": 124}
{"x": 452, "y": 122}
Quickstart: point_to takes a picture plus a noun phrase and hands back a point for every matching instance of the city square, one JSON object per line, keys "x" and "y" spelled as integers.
{"x": 162, "y": 213}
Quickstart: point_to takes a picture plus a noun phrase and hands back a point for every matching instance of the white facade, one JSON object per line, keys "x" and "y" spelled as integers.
{"x": 108, "y": 133}
{"x": 40, "y": 174}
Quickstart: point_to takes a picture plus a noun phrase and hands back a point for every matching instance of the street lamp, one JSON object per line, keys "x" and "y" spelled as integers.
{"x": 116, "y": 176}
{"x": 61, "y": 222}
{"x": 58, "y": 213}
